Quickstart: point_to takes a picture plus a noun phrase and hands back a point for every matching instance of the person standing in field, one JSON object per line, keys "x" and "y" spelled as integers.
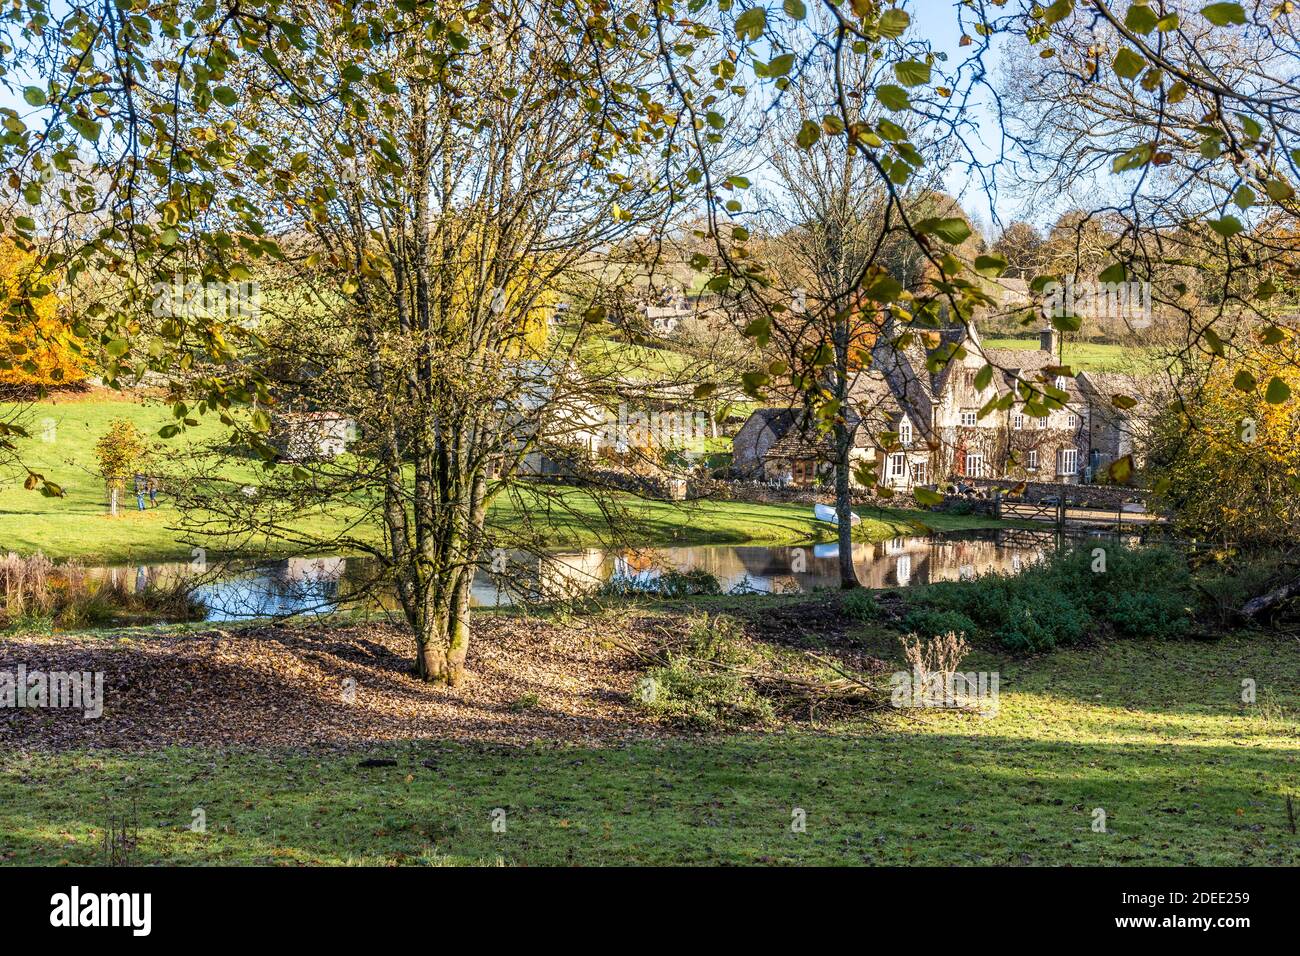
{"x": 141, "y": 486}
{"x": 152, "y": 486}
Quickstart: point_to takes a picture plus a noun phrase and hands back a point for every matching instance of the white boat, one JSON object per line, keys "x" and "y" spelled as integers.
{"x": 827, "y": 513}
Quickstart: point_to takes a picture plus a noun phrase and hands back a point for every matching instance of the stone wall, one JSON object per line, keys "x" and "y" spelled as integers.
{"x": 1098, "y": 496}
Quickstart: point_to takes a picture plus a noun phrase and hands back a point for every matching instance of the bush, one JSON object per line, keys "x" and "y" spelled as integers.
{"x": 669, "y": 584}
{"x": 860, "y": 604}
{"x": 698, "y": 688}
{"x": 1142, "y": 592}
{"x": 933, "y": 621}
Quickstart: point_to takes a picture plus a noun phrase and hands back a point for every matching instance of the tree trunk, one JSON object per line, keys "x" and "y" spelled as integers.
{"x": 441, "y": 655}
{"x": 844, "y": 507}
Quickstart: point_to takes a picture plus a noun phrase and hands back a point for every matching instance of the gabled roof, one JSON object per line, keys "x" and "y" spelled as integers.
{"x": 778, "y": 419}
{"x": 1100, "y": 388}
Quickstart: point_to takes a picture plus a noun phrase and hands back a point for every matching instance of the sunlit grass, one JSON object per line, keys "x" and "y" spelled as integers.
{"x": 1154, "y": 734}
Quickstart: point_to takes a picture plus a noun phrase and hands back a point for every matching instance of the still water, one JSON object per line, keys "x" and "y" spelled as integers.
{"x": 319, "y": 585}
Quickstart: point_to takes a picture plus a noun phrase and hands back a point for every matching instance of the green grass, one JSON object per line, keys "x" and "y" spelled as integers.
{"x": 1086, "y": 356}
{"x": 1153, "y": 733}
{"x": 78, "y": 525}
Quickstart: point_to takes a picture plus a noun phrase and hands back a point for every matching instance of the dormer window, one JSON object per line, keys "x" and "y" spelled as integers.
{"x": 969, "y": 418}
{"x": 1060, "y": 382}
{"x": 905, "y": 433}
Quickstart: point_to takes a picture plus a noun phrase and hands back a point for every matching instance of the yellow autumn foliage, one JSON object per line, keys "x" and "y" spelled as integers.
{"x": 36, "y": 346}
{"x": 1229, "y": 461}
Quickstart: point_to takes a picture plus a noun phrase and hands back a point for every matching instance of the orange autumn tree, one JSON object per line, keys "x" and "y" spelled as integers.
{"x": 37, "y": 348}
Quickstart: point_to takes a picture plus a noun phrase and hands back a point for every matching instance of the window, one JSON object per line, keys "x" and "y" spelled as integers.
{"x": 1042, "y": 422}
{"x": 920, "y": 473}
{"x": 1018, "y": 421}
{"x": 1031, "y": 459}
{"x": 905, "y": 433}
{"x": 969, "y": 419}
{"x": 1069, "y": 461}
{"x": 974, "y": 465}
{"x": 1060, "y": 382}
{"x": 1072, "y": 421}
{"x": 897, "y": 466}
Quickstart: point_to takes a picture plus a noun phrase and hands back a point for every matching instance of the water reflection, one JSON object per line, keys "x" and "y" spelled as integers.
{"x": 319, "y": 585}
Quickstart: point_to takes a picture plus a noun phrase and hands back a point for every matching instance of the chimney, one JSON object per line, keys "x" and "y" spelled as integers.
{"x": 1049, "y": 340}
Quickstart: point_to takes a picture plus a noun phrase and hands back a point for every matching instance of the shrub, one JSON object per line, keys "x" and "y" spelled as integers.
{"x": 932, "y": 621}
{"x": 699, "y": 686}
{"x": 860, "y": 604}
{"x": 1142, "y": 592}
{"x": 668, "y": 584}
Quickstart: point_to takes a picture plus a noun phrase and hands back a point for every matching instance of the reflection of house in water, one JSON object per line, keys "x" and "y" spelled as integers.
{"x": 276, "y": 589}
{"x": 524, "y": 577}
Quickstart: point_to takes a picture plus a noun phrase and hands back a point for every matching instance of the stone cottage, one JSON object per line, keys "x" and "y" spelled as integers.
{"x": 919, "y": 417}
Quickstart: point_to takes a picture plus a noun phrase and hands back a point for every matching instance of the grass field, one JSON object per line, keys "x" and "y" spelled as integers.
{"x": 1154, "y": 734}
{"x": 1089, "y": 356}
{"x": 78, "y": 525}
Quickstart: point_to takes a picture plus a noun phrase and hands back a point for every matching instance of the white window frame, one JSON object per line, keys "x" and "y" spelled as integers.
{"x": 1031, "y": 459}
{"x": 896, "y": 466}
{"x": 1072, "y": 421}
{"x": 905, "y": 432}
{"x": 1070, "y": 455}
{"x": 969, "y": 419}
{"x": 1042, "y": 421}
{"x": 920, "y": 471}
{"x": 1018, "y": 421}
{"x": 978, "y": 459}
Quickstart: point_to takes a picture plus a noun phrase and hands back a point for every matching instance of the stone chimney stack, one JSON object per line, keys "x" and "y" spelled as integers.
{"x": 1049, "y": 340}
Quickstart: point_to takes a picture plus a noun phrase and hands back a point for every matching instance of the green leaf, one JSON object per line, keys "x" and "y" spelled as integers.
{"x": 953, "y": 230}
{"x": 990, "y": 266}
{"x": 893, "y": 97}
{"x": 1222, "y": 14}
{"x": 983, "y": 378}
{"x": 1140, "y": 19}
{"x": 1277, "y": 392}
{"x": 893, "y": 23}
{"x": 1113, "y": 273}
{"x": 1244, "y": 382}
{"x": 751, "y": 23}
{"x": 912, "y": 72}
{"x": 1128, "y": 64}
{"x": 34, "y": 95}
{"x": 1227, "y": 227}
{"x": 261, "y": 421}
{"x": 1058, "y": 11}
{"x": 780, "y": 65}
{"x": 117, "y": 348}
{"x": 1278, "y": 191}
{"x": 1244, "y": 197}
{"x": 809, "y": 133}
{"x": 925, "y": 496}
{"x": 225, "y": 96}
{"x": 795, "y": 9}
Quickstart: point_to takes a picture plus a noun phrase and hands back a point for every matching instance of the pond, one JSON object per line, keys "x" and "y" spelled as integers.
{"x": 321, "y": 584}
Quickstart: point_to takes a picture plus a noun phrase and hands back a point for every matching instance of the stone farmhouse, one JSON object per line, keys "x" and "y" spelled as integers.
{"x": 932, "y": 409}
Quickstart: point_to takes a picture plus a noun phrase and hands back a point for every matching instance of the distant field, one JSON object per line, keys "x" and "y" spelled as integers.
{"x": 1087, "y": 356}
